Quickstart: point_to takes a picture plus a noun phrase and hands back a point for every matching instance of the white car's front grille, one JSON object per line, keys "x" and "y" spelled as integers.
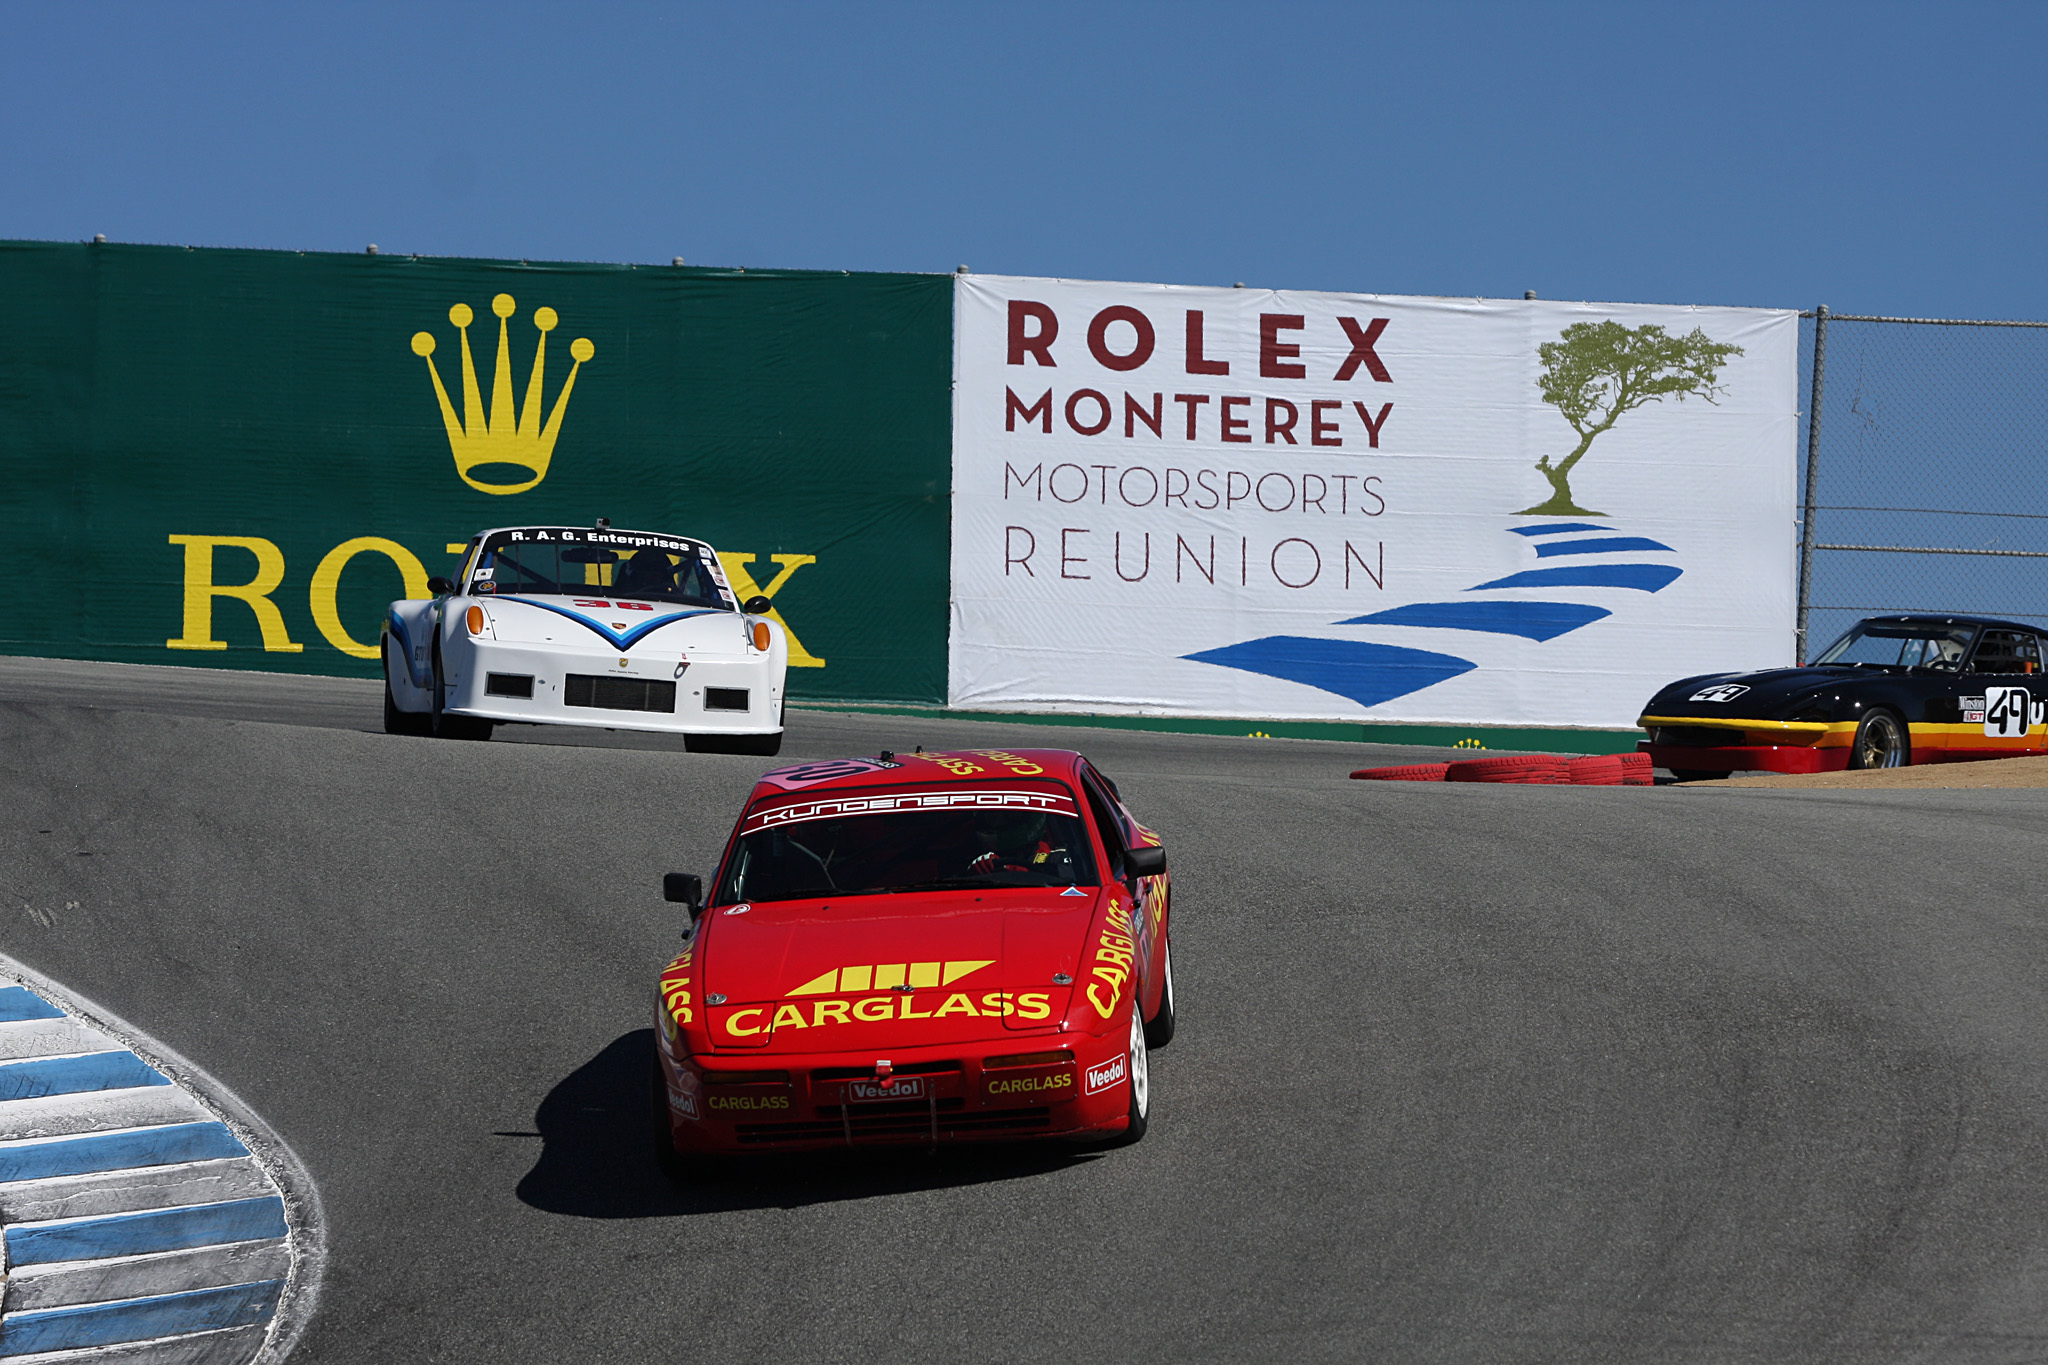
{"x": 618, "y": 694}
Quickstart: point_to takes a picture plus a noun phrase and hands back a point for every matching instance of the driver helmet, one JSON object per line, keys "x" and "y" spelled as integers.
{"x": 649, "y": 569}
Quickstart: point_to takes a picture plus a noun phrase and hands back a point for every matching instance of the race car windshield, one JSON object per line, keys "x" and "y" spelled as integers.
{"x": 674, "y": 571}
{"x": 1901, "y": 645}
{"x": 928, "y": 850}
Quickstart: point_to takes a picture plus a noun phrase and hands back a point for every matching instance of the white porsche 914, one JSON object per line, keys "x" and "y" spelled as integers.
{"x": 560, "y": 625}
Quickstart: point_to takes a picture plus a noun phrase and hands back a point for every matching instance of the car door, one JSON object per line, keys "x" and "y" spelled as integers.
{"x": 2002, "y": 710}
{"x": 1119, "y": 832}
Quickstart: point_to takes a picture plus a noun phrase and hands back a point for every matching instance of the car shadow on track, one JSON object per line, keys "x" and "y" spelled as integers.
{"x": 597, "y": 1160}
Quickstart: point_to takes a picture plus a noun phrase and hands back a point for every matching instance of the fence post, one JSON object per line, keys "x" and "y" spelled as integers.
{"x": 1820, "y": 360}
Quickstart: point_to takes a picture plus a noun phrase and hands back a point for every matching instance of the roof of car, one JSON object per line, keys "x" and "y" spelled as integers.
{"x": 887, "y": 769}
{"x": 1952, "y": 619}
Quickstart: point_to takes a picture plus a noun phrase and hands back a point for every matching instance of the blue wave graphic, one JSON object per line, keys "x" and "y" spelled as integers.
{"x": 1531, "y": 620}
{"x": 622, "y": 643}
{"x": 1556, "y": 528}
{"x": 1366, "y": 673}
{"x": 1643, "y": 577}
{"x": 1604, "y": 545}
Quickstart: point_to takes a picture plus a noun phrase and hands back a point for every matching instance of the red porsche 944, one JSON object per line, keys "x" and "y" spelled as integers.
{"x": 915, "y": 949}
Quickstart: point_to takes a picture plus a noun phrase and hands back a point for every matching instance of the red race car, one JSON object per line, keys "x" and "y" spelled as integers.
{"x": 915, "y": 949}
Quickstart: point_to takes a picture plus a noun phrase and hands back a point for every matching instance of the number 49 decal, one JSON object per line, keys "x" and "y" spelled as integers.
{"x": 2007, "y": 711}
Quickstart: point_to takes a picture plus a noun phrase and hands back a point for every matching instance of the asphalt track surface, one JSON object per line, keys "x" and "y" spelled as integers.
{"x": 1464, "y": 1073}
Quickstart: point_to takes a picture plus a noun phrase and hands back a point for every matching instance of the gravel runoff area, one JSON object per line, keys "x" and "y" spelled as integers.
{"x": 1466, "y": 1073}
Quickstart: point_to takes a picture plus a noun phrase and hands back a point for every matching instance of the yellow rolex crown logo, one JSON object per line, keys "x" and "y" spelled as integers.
{"x": 501, "y": 438}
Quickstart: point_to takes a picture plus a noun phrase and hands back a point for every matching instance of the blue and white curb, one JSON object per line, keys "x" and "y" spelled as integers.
{"x": 147, "y": 1216}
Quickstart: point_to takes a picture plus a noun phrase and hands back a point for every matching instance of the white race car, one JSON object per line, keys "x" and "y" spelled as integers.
{"x": 559, "y": 625}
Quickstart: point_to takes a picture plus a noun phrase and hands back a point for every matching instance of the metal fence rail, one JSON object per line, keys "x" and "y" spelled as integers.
{"x": 1926, "y": 437}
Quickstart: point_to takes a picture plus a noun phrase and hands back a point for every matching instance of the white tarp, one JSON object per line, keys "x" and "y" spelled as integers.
{"x": 1238, "y": 502}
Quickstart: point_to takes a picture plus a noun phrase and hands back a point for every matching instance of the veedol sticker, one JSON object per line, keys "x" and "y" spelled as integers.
{"x": 1108, "y": 1074}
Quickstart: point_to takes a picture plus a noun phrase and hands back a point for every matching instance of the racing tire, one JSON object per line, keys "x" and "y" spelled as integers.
{"x": 397, "y": 722}
{"x": 1159, "y": 1028}
{"x": 1697, "y": 774}
{"x": 1881, "y": 741}
{"x": 1532, "y": 769}
{"x": 1140, "y": 1083}
{"x": 1594, "y": 770}
{"x": 760, "y": 746}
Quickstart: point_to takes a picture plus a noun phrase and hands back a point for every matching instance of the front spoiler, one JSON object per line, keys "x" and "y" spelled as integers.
{"x": 815, "y": 1116}
{"x": 1770, "y": 758}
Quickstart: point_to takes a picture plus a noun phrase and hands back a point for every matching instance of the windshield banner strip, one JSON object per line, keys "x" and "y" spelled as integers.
{"x": 942, "y": 799}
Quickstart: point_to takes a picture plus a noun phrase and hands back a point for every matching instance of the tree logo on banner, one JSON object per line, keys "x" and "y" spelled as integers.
{"x": 517, "y": 441}
{"x": 1596, "y": 371}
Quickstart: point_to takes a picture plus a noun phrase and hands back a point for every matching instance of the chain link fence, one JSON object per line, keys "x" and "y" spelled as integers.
{"x": 1925, "y": 482}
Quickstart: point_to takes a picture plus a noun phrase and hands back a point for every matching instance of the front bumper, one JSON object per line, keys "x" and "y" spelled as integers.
{"x": 1735, "y": 758}
{"x": 548, "y": 669}
{"x": 831, "y": 1099}
{"x": 1718, "y": 744}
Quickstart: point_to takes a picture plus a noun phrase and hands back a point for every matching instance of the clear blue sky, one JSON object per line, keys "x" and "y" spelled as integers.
{"x": 1875, "y": 158}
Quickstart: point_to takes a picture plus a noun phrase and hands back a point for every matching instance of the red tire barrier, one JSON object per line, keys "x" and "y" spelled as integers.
{"x": 1545, "y": 769}
{"x": 1636, "y": 770}
{"x": 1595, "y": 770}
{"x": 1407, "y": 772}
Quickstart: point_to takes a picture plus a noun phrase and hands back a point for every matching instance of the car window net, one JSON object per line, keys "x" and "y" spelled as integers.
{"x": 1938, "y": 647}
{"x": 904, "y": 851}
{"x": 2006, "y": 651}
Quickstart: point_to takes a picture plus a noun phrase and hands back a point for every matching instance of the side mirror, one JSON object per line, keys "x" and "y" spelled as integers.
{"x": 439, "y": 586}
{"x": 1145, "y": 862}
{"x": 757, "y": 606}
{"x": 683, "y": 888}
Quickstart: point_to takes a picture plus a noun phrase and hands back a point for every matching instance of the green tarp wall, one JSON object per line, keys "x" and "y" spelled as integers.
{"x": 238, "y": 458}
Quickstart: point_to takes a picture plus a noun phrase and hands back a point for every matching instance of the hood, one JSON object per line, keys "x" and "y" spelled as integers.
{"x": 1767, "y": 694}
{"x": 613, "y": 624}
{"x": 891, "y": 972}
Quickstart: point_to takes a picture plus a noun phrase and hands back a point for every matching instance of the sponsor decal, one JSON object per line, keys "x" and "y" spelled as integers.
{"x": 797, "y": 813}
{"x": 1058, "y": 1085}
{"x": 746, "y": 1104}
{"x": 675, "y": 994}
{"x": 1725, "y": 692}
{"x": 1110, "y": 966}
{"x": 811, "y": 774}
{"x": 1108, "y": 1074}
{"x": 889, "y": 976}
{"x": 907, "y": 1088}
{"x": 2008, "y": 711}
{"x": 684, "y": 1104}
{"x": 751, "y": 1020}
{"x": 1022, "y": 767}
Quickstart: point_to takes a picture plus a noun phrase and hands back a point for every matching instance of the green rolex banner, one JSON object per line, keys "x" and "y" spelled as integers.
{"x": 239, "y": 458}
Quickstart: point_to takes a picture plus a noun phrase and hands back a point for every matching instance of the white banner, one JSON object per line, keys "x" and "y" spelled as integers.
{"x": 1237, "y": 502}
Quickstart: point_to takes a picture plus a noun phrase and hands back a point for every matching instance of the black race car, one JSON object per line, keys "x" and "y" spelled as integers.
{"x": 1895, "y": 690}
